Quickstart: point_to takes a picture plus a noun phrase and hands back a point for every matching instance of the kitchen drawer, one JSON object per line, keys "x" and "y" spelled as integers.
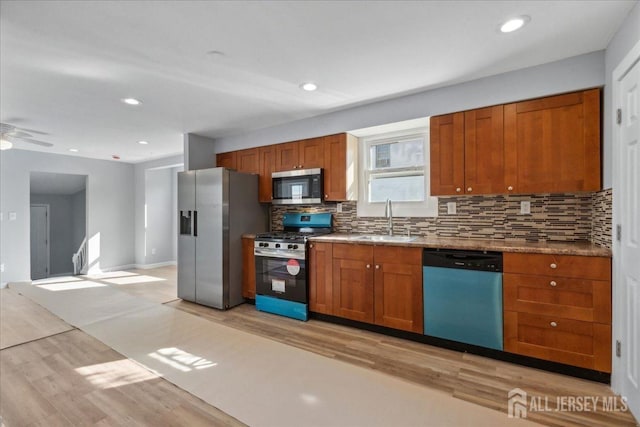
{"x": 579, "y": 299}
{"x": 596, "y": 268}
{"x": 572, "y": 342}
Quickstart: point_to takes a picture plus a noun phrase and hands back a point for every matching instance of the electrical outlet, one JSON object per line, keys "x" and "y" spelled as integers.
{"x": 153, "y": 251}
{"x": 338, "y": 207}
{"x": 1, "y": 268}
{"x": 525, "y": 207}
{"x": 12, "y": 216}
{"x": 1, "y": 216}
{"x": 451, "y": 208}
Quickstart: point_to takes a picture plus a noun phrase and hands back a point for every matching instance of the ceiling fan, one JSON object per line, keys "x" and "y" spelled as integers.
{"x": 10, "y": 134}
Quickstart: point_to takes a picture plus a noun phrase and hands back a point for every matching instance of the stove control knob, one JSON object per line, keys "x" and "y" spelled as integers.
{"x": 295, "y": 246}
{"x": 277, "y": 245}
{"x": 290, "y": 247}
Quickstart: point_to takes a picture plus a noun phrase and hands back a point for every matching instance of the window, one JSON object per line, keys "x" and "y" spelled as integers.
{"x": 395, "y": 166}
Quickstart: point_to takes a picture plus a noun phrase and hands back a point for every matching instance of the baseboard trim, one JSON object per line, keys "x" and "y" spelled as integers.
{"x": 155, "y": 265}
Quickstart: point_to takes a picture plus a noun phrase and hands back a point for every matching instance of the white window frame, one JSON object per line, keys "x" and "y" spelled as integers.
{"x": 426, "y": 208}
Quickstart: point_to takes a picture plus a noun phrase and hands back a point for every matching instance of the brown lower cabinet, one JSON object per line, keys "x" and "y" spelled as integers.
{"x": 248, "y": 268}
{"x": 372, "y": 284}
{"x": 558, "y": 308}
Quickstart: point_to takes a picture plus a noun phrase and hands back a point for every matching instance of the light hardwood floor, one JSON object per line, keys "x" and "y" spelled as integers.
{"x": 64, "y": 377}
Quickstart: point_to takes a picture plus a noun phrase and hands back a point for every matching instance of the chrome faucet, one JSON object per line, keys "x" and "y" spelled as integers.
{"x": 388, "y": 213}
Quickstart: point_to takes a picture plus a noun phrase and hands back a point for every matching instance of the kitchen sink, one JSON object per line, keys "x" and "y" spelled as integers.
{"x": 383, "y": 238}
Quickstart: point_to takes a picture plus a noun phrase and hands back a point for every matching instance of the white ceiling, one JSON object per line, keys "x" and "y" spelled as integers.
{"x": 56, "y": 183}
{"x": 65, "y": 65}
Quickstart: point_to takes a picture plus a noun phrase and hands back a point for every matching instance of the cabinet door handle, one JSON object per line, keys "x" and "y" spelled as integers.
{"x": 326, "y": 196}
{"x": 553, "y": 265}
{"x": 377, "y": 267}
{"x": 458, "y": 190}
{"x": 553, "y": 324}
{"x": 311, "y": 245}
{"x": 295, "y": 167}
{"x": 299, "y": 166}
{"x": 510, "y": 188}
{"x": 368, "y": 265}
{"x": 553, "y": 283}
{"x": 469, "y": 189}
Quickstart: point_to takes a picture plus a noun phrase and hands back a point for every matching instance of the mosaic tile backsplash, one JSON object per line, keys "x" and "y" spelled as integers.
{"x": 554, "y": 217}
{"x": 601, "y": 224}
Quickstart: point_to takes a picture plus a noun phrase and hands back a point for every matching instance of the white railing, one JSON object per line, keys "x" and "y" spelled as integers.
{"x": 79, "y": 259}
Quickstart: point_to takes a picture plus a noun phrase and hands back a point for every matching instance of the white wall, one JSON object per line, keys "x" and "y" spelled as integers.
{"x": 140, "y": 181}
{"x": 579, "y": 72}
{"x": 160, "y": 216}
{"x": 110, "y": 208}
{"x": 199, "y": 152}
{"x": 79, "y": 216}
{"x": 60, "y": 231}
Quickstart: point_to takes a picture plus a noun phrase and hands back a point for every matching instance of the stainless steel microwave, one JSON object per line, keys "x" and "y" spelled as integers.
{"x": 297, "y": 187}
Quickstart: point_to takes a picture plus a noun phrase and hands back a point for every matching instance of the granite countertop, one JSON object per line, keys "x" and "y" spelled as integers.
{"x": 557, "y": 248}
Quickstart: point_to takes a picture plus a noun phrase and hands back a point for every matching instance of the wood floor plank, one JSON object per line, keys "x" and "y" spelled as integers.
{"x": 80, "y": 378}
{"x": 17, "y": 328}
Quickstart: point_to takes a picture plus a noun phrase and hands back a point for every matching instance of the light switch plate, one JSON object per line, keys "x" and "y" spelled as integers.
{"x": 525, "y": 207}
{"x": 451, "y": 208}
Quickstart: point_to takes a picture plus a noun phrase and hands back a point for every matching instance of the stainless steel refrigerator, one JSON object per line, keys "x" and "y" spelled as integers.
{"x": 215, "y": 207}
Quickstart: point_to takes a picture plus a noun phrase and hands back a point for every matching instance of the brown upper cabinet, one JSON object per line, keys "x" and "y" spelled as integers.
{"x": 553, "y": 144}
{"x": 336, "y": 154}
{"x": 267, "y": 158}
{"x": 543, "y": 145}
{"x": 226, "y": 160}
{"x": 305, "y": 154}
{"x": 340, "y": 177}
{"x": 248, "y": 160}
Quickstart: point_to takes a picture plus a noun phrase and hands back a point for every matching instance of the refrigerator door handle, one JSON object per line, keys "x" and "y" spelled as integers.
{"x": 195, "y": 223}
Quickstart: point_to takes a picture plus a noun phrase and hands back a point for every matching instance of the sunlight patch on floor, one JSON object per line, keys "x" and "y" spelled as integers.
{"x": 181, "y": 360}
{"x": 133, "y": 280}
{"x": 71, "y": 286}
{"x": 59, "y": 279}
{"x": 117, "y": 373}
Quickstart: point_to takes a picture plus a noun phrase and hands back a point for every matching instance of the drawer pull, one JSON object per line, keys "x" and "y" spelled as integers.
{"x": 553, "y": 265}
{"x": 458, "y": 190}
{"x": 510, "y": 188}
{"x": 377, "y": 267}
{"x": 553, "y": 283}
{"x": 553, "y": 324}
{"x": 368, "y": 265}
{"x": 469, "y": 189}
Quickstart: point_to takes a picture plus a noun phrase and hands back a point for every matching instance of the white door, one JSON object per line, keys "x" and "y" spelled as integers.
{"x": 39, "y": 241}
{"x": 628, "y": 273}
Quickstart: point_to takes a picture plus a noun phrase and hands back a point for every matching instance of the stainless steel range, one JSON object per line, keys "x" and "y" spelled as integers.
{"x": 281, "y": 264}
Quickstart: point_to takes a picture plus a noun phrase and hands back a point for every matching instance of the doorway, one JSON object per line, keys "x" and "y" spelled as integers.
{"x": 626, "y": 206}
{"x": 39, "y": 241}
{"x": 64, "y": 196}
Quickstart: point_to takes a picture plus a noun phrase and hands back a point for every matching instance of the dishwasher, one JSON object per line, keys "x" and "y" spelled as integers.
{"x": 463, "y": 296}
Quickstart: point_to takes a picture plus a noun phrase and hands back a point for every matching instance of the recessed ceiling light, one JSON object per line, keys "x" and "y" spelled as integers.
{"x": 309, "y": 87}
{"x": 143, "y": 142}
{"x": 5, "y": 145}
{"x": 73, "y": 150}
{"x": 131, "y": 101}
{"x": 514, "y": 24}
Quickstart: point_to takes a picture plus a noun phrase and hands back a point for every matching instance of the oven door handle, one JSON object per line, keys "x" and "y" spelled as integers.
{"x": 278, "y": 254}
